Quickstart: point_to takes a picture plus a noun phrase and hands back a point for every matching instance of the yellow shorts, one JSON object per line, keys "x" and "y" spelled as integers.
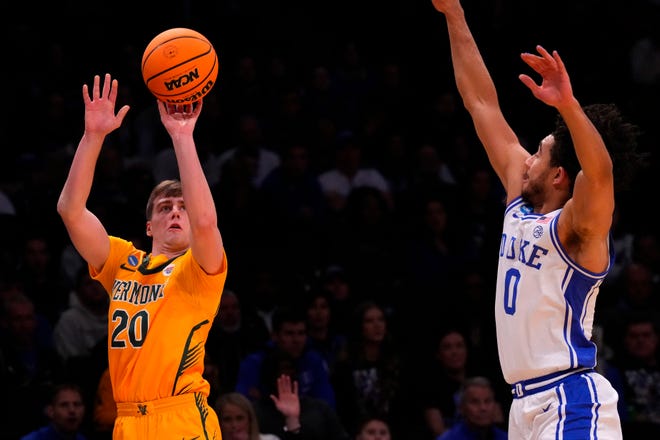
{"x": 184, "y": 417}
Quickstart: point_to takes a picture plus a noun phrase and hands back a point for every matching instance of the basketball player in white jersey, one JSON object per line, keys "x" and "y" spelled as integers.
{"x": 555, "y": 248}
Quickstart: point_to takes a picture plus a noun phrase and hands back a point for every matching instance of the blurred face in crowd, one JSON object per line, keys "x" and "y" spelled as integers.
{"x": 229, "y": 314}
{"x": 235, "y": 422}
{"x": 452, "y": 351}
{"x": 478, "y": 406}
{"x": 318, "y": 313}
{"x": 641, "y": 341}
{"x": 67, "y": 411}
{"x": 374, "y": 430}
{"x": 374, "y": 325}
{"x": 291, "y": 338}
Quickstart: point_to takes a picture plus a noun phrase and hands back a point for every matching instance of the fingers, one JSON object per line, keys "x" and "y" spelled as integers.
{"x": 528, "y": 81}
{"x": 96, "y": 88}
{"x": 107, "y": 86}
{"x": 85, "y": 93}
{"x": 544, "y": 53}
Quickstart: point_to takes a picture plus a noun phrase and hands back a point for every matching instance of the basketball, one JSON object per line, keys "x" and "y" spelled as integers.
{"x": 179, "y": 66}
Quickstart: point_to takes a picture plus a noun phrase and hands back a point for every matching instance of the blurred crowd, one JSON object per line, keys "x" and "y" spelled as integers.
{"x": 360, "y": 216}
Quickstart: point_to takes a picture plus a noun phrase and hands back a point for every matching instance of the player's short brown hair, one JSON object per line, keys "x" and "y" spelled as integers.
{"x": 166, "y": 188}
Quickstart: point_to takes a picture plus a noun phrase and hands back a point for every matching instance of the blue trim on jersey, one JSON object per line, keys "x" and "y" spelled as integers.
{"x": 579, "y": 286}
{"x": 554, "y": 235}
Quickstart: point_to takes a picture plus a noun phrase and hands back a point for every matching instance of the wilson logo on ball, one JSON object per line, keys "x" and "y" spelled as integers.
{"x": 179, "y": 65}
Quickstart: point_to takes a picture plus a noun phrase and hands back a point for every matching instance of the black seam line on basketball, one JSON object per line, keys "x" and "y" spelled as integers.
{"x": 172, "y": 39}
{"x": 185, "y": 62}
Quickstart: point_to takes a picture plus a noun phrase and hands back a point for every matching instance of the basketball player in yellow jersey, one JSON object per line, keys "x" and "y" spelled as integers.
{"x": 163, "y": 302}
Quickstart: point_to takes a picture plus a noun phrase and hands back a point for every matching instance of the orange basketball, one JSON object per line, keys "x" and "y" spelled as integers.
{"x": 179, "y": 66}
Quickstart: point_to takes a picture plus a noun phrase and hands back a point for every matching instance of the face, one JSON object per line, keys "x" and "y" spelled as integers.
{"x": 374, "y": 430}
{"x": 229, "y": 314}
{"x": 67, "y": 411}
{"x": 318, "y": 313}
{"x": 291, "y": 338}
{"x": 235, "y": 423}
{"x": 22, "y": 322}
{"x": 91, "y": 292}
{"x": 478, "y": 407}
{"x": 539, "y": 173}
{"x": 169, "y": 225}
{"x": 452, "y": 351}
{"x": 641, "y": 340}
{"x": 373, "y": 325}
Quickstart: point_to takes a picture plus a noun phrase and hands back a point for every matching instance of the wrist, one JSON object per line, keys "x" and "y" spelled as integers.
{"x": 292, "y": 428}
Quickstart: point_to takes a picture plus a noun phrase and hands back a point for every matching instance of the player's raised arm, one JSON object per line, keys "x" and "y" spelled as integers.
{"x": 590, "y": 210}
{"x": 206, "y": 241}
{"x": 480, "y": 98}
{"x": 85, "y": 230}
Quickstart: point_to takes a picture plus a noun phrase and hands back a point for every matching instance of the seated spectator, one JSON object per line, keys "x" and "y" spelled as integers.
{"x": 479, "y": 412}
{"x": 235, "y": 333}
{"x": 105, "y": 408}
{"x": 370, "y": 379}
{"x": 29, "y": 365}
{"x": 321, "y": 330}
{"x": 289, "y": 342}
{"x": 635, "y": 374}
{"x": 285, "y": 413}
{"x": 237, "y": 418}
{"x": 374, "y": 428}
{"x": 348, "y": 172}
{"x": 65, "y": 412}
{"x": 85, "y": 323}
{"x": 442, "y": 373}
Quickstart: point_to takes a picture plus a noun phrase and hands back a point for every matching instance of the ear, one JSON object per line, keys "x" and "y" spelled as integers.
{"x": 560, "y": 179}
{"x": 49, "y": 411}
{"x": 149, "y": 229}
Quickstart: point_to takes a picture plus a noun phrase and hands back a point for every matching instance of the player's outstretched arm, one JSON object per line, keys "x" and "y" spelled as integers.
{"x": 85, "y": 230}
{"x": 480, "y": 98}
{"x": 206, "y": 242}
{"x": 592, "y": 204}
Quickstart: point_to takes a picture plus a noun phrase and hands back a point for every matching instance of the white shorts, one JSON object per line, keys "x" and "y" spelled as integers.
{"x": 581, "y": 406}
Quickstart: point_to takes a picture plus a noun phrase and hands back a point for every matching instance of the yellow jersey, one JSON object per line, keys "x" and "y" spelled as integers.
{"x": 160, "y": 314}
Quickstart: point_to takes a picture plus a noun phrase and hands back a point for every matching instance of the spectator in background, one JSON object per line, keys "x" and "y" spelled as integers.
{"x": 85, "y": 323}
{"x": 235, "y": 333}
{"x": 368, "y": 243}
{"x": 29, "y": 365}
{"x": 289, "y": 415}
{"x": 349, "y": 171}
{"x": 65, "y": 411}
{"x": 104, "y": 408}
{"x": 370, "y": 379}
{"x": 250, "y": 142}
{"x": 374, "y": 428}
{"x": 635, "y": 374}
{"x": 337, "y": 282}
{"x": 38, "y": 272}
{"x": 479, "y": 413}
{"x": 289, "y": 343}
{"x": 238, "y": 419}
{"x": 296, "y": 205}
{"x": 440, "y": 379}
{"x": 321, "y": 330}
{"x": 635, "y": 292}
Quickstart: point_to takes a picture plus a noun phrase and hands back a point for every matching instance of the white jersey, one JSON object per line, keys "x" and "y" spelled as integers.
{"x": 545, "y": 302}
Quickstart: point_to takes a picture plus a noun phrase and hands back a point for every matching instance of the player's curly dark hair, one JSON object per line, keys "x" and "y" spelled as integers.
{"x": 620, "y": 137}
